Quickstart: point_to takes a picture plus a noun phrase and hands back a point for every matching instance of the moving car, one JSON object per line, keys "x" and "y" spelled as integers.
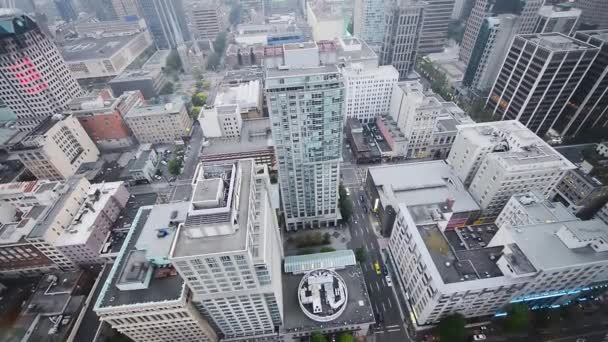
{"x": 479, "y": 337}
{"x": 377, "y": 267}
{"x": 389, "y": 281}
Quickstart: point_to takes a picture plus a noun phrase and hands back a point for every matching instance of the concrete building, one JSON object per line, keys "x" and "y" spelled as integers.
{"x": 602, "y": 214}
{"x": 166, "y": 22}
{"x": 536, "y": 96}
{"x": 364, "y": 151}
{"x": 434, "y": 34}
{"x": 206, "y": 20}
{"x": 102, "y": 58}
{"x": 532, "y": 208}
{"x": 557, "y": 18}
{"x": 254, "y": 141}
{"x": 35, "y": 82}
{"x": 393, "y": 136}
{"x": 498, "y": 159}
{"x": 368, "y": 88}
{"x": 402, "y": 31}
{"x": 108, "y": 28}
{"x": 368, "y": 22}
{"x": 593, "y": 14}
{"x": 56, "y": 148}
{"x": 85, "y": 236}
{"x": 229, "y": 250}
{"x": 482, "y": 9}
{"x": 150, "y": 82}
{"x": 102, "y": 117}
{"x": 326, "y": 19}
{"x": 445, "y": 130}
{"x": 125, "y": 8}
{"x": 143, "y": 297}
{"x": 431, "y": 183}
{"x": 161, "y": 123}
{"x": 588, "y": 105}
{"x": 143, "y": 167}
{"x": 493, "y": 42}
{"x": 307, "y": 132}
{"x": 66, "y": 10}
{"x": 20, "y": 197}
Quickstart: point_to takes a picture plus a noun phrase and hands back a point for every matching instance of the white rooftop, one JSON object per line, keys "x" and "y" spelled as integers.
{"x": 246, "y": 95}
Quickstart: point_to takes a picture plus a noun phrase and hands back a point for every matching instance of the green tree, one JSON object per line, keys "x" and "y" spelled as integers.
{"x": 317, "y": 336}
{"x": 326, "y": 249}
{"x": 174, "y": 166}
{"x": 346, "y": 205}
{"x": 456, "y": 30}
{"x": 213, "y": 61}
{"x": 518, "y": 318}
{"x": 198, "y": 84}
{"x": 350, "y": 27}
{"x": 206, "y": 84}
{"x": 197, "y": 73}
{"x": 479, "y": 112}
{"x": 451, "y": 328}
{"x": 360, "y": 254}
{"x": 306, "y": 251}
{"x": 345, "y": 337}
{"x": 219, "y": 44}
{"x": 173, "y": 61}
{"x": 194, "y": 112}
{"x": 199, "y": 99}
{"x": 168, "y": 88}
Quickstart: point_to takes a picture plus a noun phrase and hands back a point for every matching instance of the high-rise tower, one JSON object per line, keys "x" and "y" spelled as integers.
{"x": 34, "y": 80}
{"x": 166, "y": 21}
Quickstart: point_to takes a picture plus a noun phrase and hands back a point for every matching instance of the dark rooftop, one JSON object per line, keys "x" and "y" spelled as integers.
{"x": 94, "y": 48}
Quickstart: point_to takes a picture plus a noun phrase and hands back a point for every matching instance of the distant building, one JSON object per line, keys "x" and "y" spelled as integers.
{"x": 66, "y": 10}
{"x": 125, "y": 8}
{"x": 102, "y": 117}
{"x": 368, "y": 22}
{"x": 594, "y": 13}
{"x": 56, "y": 148}
{"x": 557, "y": 18}
{"x": 166, "y": 22}
{"x": 35, "y": 80}
{"x": 162, "y": 123}
{"x": 403, "y": 27}
{"x": 434, "y": 34}
{"x": 149, "y": 80}
{"x": 536, "y": 98}
{"x": 103, "y": 57}
{"x": 325, "y": 18}
{"x": 206, "y": 20}
{"x": 112, "y": 28}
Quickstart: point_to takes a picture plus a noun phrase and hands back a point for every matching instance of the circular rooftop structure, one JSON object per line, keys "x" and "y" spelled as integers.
{"x": 322, "y": 295}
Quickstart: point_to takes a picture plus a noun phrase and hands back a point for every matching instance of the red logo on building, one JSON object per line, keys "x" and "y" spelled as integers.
{"x": 28, "y": 76}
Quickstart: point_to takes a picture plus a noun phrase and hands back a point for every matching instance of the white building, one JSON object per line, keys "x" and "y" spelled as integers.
{"x": 368, "y": 22}
{"x": 229, "y": 250}
{"x": 557, "y": 18}
{"x": 498, "y": 159}
{"x": 325, "y": 18}
{"x": 56, "y": 148}
{"x": 162, "y": 123}
{"x": 144, "y": 166}
{"x": 532, "y": 208}
{"x": 207, "y": 20}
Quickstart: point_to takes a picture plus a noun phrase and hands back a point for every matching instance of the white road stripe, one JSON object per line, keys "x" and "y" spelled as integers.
{"x": 378, "y": 287}
{"x": 383, "y": 307}
{"x": 392, "y": 326}
{"x": 390, "y": 305}
{"x": 393, "y": 330}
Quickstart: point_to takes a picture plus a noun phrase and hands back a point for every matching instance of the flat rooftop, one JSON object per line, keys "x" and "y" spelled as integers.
{"x": 557, "y": 42}
{"x": 255, "y": 135}
{"x": 136, "y": 75}
{"x": 280, "y": 73}
{"x": 173, "y": 107}
{"x": 163, "y": 217}
{"x": 541, "y": 210}
{"x": 358, "y": 308}
{"x": 186, "y": 244}
{"x": 94, "y": 48}
{"x": 458, "y": 265}
{"x": 421, "y": 183}
{"x": 157, "y": 60}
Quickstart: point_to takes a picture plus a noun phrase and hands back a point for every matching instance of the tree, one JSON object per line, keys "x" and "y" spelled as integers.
{"x": 235, "y": 14}
{"x": 194, "y": 112}
{"x": 306, "y": 251}
{"x": 198, "y": 84}
{"x": 174, "y": 166}
{"x": 345, "y": 337}
{"x": 197, "y": 74}
{"x": 360, "y": 254}
{"x": 451, "y": 328}
{"x": 173, "y": 61}
{"x": 317, "y": 336}
{"x": 350, "y": 27}
{"x": 167, "y": 89}
{"x": 456, "y": 30}
{"x": 206, "y": 84}
{"x": 479, "y": 112}
{"x": 326, "y": 249}
{"x": 326, "y": 238}
{"x": 518, "y": 318}
{"x": 199, "y": 99}
{"x": 346, "y": 206}
{"x": 220, "y": 43}
{"x": 213, "y": 61}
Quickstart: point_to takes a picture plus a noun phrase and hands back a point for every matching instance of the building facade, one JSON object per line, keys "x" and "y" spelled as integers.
{"x": 593, "y": 14}
{"x": 166, "y": 22}
{"x": 125, "y": 8}
{"x": 539, "y": 74}
{"x": 557, "y": 18}
{"x": 307, "y": 122}
{"x": 368, "y": 22}
{"x": 434, "y": 35}
{"x": 162, "y": 123}
{"x": 35, "y": 82}
{"x": 206, "y": 20}
{"x": 402, "y": 30}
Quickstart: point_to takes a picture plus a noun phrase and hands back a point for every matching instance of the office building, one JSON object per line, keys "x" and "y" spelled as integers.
{"x": 498, "y": 159}
{"x": 56, "y": 148}
{"x": 588, "y": 106}
{"x": 160, "y": 123}
{"x": 229, "y": 250}
{"x": 368, "y": 22}
{"x": 593, "y": 14}
{"x": 446, "y": 129}
{"x": 530, "y": 208}
{"x": 326, "y": 19}
{"x": 101, "y": 9}
{"x": 527, "y": 10}
{"x": 493, "y": 42}
{"x": 536, "y": 95}
{"x": 602, "y": 214}
{"x": 125, "y": 8}
{"x": 143, "y": 297}
{"x": 307, "y": 132}
{"x": 143, "y": 167}
{"x": 402, "y": 31}
{"x": 368, "y": 87}
{"x": 66, "y": 10}
{"x": 108, "y": 28}
{"x": 102, "y": 117}
{"x": 166, "y": 22}
{"x": 35, "y": 82}
{"x": 102, "y": 58}
{"x": 206, "y": 20}
{"x": 557, "y": 18}
{"x": 434, "y": 34}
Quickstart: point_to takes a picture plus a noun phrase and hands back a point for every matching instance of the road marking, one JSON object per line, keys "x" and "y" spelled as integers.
{"x": 378, "y": 286}
{"x": 392, "y": 326}
{"x": 364, "y": 268}
{"x": 383, "y": 307}
{"x": 379, "y": 332}
{"x": 390, "y": 304}
{"x": 393, "y": 330}
{"x": 355, "y": 232}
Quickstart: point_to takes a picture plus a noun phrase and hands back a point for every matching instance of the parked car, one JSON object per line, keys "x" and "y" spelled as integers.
{"x": 389, "y": 281}
{"x": 479, "y": 337}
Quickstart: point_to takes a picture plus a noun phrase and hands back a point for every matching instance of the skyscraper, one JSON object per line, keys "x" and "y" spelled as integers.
{"x": 368, "y": 22}
{"x": 594, "y": 14}
{"x": 557, "y": 18}
{"x": 538, "y": 76}
{"x": 402, "y": 29}
{"x": 102, "y": 9}
{"x": 35, "y": 82}
{"x": 166, "y": 22}
{"x": 305, "y": 103}
{"x": 588, "y": 107}
{"x": 526, "y": 9}
{"x": 66, "y": 9}
{"x": 434, "y": 35}
{"x": 124, "y": 8}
